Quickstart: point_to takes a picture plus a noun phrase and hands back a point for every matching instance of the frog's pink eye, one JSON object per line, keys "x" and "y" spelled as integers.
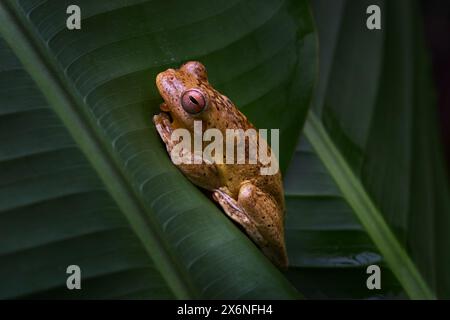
{"x": 193, "y": 101}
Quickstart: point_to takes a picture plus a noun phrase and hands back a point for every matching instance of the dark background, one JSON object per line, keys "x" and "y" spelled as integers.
{"x": 436, "y": 14}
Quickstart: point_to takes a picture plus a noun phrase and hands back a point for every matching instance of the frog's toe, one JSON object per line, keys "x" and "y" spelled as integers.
{"x": 224, "y": 190}
{"x": 163, "y": 129}
{"x": 161, "y": 117}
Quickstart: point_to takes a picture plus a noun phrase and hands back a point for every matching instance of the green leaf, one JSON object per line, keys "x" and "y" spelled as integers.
{"x": 373, "y": 127}
{"x": 84, "y": 178}
{"x": 329, "y": 249}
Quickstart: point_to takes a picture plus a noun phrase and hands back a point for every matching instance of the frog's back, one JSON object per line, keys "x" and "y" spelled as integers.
{"x": 228, "y": 116}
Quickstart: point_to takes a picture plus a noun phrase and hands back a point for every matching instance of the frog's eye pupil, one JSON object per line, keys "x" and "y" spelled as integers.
{"x": 193, "y": 101}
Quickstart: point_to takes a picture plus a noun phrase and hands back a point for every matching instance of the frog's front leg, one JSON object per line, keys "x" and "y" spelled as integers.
{"x": 204, "y": 175}
{"x": 258, "y": 213}
{"x": 164, "y": 128}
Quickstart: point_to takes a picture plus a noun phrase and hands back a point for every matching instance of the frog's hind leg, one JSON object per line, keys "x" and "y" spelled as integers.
{"x": 268, "y": 218}
{"x": 237, "y": 214}
{"x": 257, "y": 212}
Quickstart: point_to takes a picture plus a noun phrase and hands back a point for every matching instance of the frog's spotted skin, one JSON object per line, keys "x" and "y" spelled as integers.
{"x": 253, "y": 200}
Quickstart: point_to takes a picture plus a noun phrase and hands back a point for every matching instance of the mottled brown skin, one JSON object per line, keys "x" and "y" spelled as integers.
{"x": 253, "y": 200}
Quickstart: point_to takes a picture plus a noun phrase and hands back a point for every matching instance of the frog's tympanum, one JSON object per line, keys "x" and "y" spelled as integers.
{"x": 254, "y": 201}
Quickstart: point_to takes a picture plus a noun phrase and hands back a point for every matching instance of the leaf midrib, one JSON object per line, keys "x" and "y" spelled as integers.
{"x": 67, "y": 104}
{"x": 366, "y": 211}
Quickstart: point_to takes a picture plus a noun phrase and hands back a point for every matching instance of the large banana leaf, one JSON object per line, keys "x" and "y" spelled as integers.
{"x": 85, "y": 180}
{"x": 329, "y": 249}
{"x": 371, "y": 151}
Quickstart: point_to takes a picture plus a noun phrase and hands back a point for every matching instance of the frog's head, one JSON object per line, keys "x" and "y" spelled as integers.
{"x": 185, "y": 92}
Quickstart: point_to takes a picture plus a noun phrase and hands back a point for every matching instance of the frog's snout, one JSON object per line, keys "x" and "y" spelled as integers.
{"x": 160, "y": 79}
{"x": 166, "y": 81}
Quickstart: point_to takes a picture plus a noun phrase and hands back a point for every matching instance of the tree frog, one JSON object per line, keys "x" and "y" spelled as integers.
{"x": 254, "y": 201}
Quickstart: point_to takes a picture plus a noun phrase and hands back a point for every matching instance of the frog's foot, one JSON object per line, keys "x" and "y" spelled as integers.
{"x": 164, "y": 128}
{"x": 237, "y": 214}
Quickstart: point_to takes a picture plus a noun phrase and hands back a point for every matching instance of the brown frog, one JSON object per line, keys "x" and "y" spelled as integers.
{"x": 254, "y": 201}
